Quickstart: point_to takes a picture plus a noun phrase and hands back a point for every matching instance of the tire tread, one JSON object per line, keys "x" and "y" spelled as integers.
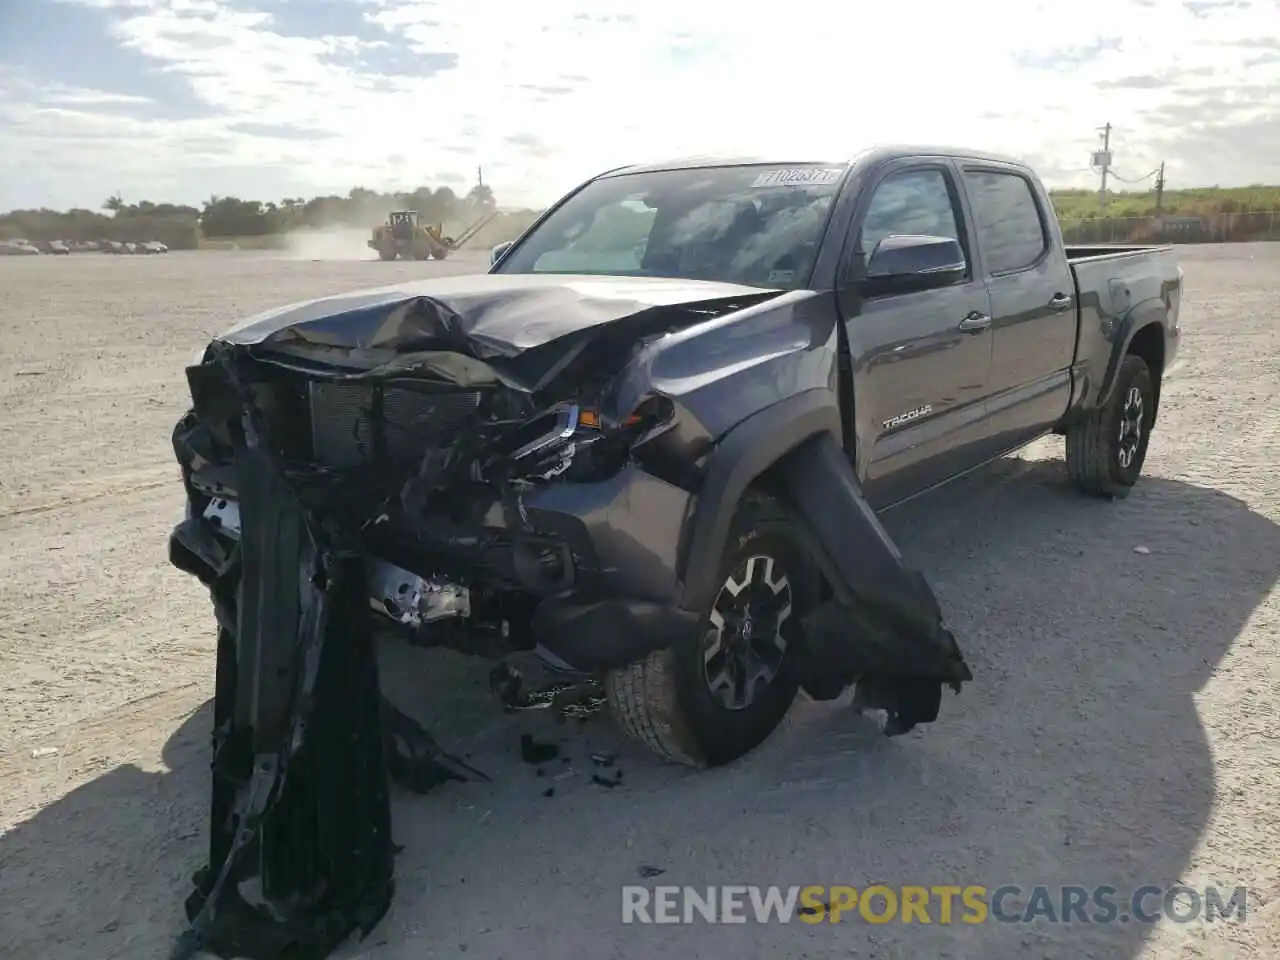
{"x": 642, "y": 696}
{"x": 1088, "y": 448}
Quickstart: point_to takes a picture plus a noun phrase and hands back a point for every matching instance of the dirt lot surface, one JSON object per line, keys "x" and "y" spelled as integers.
{"x": 1121, "y": 728}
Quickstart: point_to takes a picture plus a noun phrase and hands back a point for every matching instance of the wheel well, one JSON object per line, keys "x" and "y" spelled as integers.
{"x": 1148, "y": 343}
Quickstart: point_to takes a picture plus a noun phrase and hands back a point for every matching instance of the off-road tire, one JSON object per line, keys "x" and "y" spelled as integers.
{"x": 664, "y": 702}
{"x": 1093, "y": 444}
{"x": 386, "y": 254}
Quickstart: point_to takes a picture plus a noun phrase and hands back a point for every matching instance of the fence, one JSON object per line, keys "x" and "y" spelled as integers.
{"x": 1218, "y": 228}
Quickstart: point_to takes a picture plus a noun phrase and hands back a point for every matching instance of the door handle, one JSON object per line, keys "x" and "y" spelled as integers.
{"x": 975, "y": 322}
{"x": 1059, "y": 301}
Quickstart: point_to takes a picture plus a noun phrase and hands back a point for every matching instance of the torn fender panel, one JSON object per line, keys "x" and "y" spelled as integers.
{"x": 884, "y": 622}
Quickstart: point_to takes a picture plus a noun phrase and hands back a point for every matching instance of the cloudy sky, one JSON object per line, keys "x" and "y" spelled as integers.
{"x": 181, "y": 99}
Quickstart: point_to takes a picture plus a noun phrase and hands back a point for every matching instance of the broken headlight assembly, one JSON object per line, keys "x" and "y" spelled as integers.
{"x": 578, "y": 444}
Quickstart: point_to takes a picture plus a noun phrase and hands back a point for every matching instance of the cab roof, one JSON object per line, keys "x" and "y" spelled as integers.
{"x": 872, "y": 156}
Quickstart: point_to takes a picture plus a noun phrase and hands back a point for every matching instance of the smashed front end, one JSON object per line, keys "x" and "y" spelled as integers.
{"x": 380, "y": 488}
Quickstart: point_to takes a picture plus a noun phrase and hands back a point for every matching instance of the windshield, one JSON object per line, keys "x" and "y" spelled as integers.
{"x": 755, "y": 225}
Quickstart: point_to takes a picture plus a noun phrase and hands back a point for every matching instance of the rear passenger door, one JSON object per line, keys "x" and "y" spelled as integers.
{"x": 921, "y": 358}
{"x": 1032, "y": 303}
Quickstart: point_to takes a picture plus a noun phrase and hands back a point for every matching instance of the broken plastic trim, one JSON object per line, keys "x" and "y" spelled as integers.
{"x": 300, "y": 850}
{"x": 883, "y": 627}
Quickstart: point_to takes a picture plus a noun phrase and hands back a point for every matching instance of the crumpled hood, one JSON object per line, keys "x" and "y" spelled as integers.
{"x": 484, "y": 315}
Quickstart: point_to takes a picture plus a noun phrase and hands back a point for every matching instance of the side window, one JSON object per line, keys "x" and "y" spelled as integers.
{"x": 916, "y": 202}
{"x": 1010, "y": 233}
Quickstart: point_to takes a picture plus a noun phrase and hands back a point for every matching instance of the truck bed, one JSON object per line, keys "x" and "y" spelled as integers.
{"x": 1119, "y": 288}
{"x": 1096, "y": 251}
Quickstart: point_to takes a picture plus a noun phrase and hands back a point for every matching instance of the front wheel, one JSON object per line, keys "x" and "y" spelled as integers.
{"x": 1106, "y": 451}
{"x": 718, "y": 694}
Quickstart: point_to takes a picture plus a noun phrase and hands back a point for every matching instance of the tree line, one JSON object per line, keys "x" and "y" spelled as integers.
{"x": 183, "y": 226}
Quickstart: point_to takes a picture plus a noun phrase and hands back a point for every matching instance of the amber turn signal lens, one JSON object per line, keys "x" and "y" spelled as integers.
{"x": 591, "y": 418}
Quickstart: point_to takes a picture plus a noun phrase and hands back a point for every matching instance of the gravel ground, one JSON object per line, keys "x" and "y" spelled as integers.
{"x": 1121, "y": 728}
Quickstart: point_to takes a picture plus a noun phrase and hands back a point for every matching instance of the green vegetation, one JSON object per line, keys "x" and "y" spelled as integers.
{"x": 1198, "y": 202}
{"x": 233, "y": 223}
{"x": 171, "y": 224}
{"x": 230, "y": 222}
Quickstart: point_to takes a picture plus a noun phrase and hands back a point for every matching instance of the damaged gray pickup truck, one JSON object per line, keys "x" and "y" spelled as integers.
{"x": 650, "y": 444}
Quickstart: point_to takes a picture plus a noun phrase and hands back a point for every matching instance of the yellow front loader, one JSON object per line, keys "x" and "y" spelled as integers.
{"x": 404, "y": 237}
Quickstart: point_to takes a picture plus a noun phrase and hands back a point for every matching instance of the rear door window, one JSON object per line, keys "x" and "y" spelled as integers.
{"x": 1011, "y": 233}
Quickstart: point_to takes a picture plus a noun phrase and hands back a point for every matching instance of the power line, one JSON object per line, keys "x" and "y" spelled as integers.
{"x": 1145, "y": 176}
{"x": 1101, "y": 163}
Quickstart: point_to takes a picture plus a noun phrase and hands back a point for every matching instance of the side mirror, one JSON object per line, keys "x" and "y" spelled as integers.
{"x": 496, "y": 253}
{"x": 905, "y": 264}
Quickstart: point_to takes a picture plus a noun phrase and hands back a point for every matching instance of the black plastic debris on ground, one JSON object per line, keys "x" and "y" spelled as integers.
{"x": 648, "y": 872}
{"x": 609, "y": 782}
{"x": 531, "y": 751}
{"x": 414, "y": 758}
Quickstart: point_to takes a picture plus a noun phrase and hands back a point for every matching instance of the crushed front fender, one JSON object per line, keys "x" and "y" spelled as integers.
{"x": 883, "y": 627}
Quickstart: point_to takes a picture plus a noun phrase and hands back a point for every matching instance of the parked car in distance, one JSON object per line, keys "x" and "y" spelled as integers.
{"x": 54, "y": 247}
{"x": 151, "y": 247}
{"x": 17, "y": 248}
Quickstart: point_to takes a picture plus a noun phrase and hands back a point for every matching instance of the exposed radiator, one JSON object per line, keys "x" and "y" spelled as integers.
{"x": 351, "y": 421}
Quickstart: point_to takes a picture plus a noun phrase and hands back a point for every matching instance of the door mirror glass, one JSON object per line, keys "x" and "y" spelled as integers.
{"x": 901, "y": 264}
{"x": 496, "y": 253}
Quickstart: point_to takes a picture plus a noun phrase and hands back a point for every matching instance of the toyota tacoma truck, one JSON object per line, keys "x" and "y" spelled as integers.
{"x": 650, "y": 443}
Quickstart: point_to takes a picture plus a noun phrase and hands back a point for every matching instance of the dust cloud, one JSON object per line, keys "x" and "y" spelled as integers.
{"x": 329, "y": 243}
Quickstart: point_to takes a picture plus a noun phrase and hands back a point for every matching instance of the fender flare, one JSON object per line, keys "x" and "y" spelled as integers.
{"x": 746, "y": 452}
{"x": 1123, "y": 336}
{"x": 1120, "y": 335}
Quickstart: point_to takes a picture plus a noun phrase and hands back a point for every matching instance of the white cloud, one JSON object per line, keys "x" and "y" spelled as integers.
{"x": 544, "y": 94}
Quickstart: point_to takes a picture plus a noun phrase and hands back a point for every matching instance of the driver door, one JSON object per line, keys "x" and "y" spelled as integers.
{"x": 921, "y": 360}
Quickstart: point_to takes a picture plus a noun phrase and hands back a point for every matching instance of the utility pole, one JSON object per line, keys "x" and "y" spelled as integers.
{"x": 1103, "y": 159}
{"x": 480, "y": 176}
{"x": 1160, "y": 191}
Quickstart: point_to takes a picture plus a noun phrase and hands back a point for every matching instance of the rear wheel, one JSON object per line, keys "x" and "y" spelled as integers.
{"x": 1106, "y": 451}
{"x": 718, "y": 694}
{"x": 386, "y": 254}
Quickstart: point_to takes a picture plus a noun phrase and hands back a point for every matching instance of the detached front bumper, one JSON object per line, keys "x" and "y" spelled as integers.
{"x": 300, "y": 852}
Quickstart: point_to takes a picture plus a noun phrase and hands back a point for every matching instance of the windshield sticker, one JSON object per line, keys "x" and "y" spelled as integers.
{"x": 798, "y": 177}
